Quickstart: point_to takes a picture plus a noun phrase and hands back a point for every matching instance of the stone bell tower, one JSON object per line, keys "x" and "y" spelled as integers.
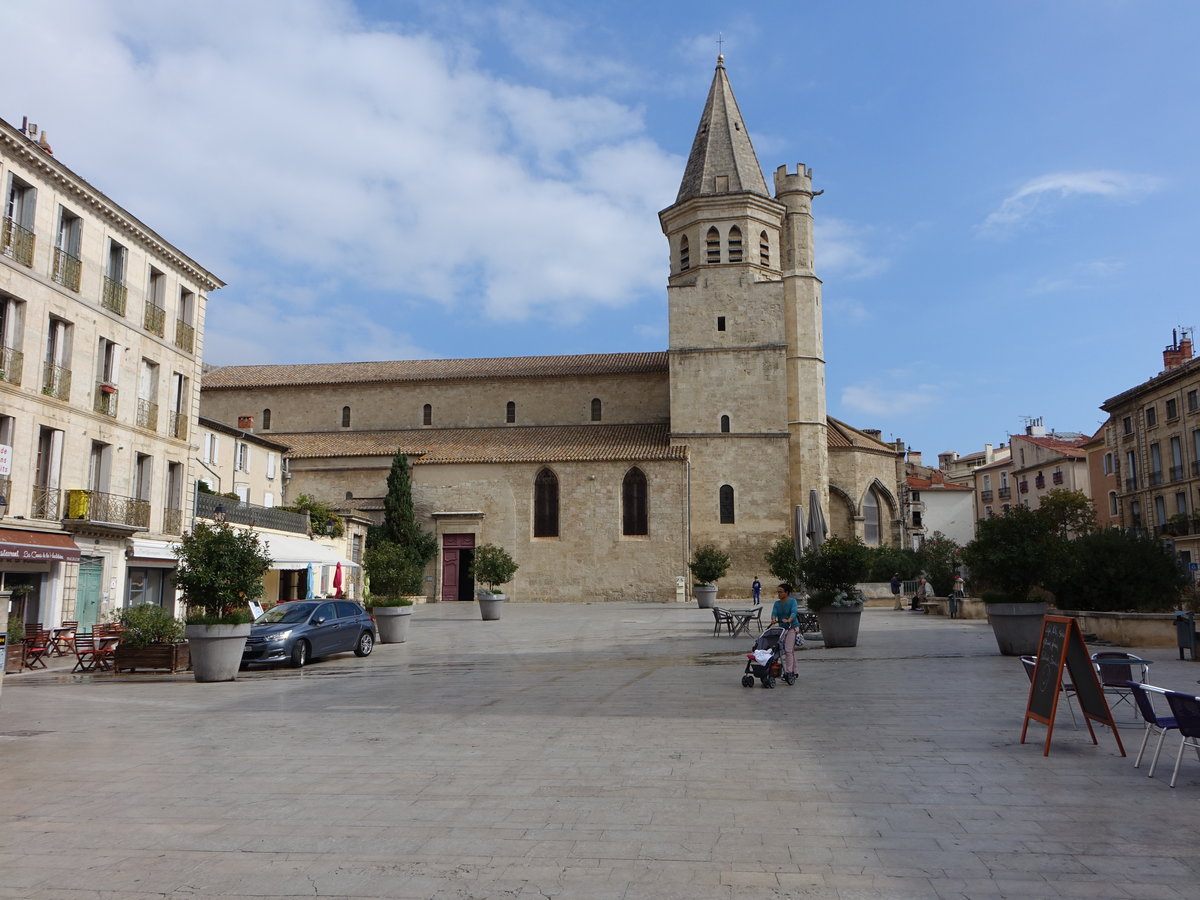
{"x": 746, "y": 349}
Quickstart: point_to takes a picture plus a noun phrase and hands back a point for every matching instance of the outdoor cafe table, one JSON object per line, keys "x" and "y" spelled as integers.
{"x": 58, "y": 640}
{"x": 742, "y": 619}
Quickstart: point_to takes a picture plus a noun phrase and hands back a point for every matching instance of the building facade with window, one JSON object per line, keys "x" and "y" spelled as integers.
{"x": 101, "y": 325}
{"x": 1152, "y": 442}
{"x": 601, "y": 473}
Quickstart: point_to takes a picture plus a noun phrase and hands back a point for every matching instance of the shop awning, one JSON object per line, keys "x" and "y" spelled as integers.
{"x": 18, "y": 545}
{"x": 297, "y": 553}
{"x": 151, "y": 553}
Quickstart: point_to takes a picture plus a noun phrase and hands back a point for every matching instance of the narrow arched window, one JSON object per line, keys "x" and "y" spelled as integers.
{"x": 345, "y": 417}
{"x": 596, "y": 409}
{"x": 685, "y": 257}
{"x": 427, "y": 414}
{"x": 713, "y": 246}
{"x": 871, "y": 522}
{"x": 764, "y": 249}
{"x": 735, "y": 244}
{"x": 633, "y": 503}
{"x": 726, "y": 504}
{"x": 724, "y": 424}
{"x": 510, "y": 412}
{"x": 545, "y": 504}
{"x": 266, "y": 420}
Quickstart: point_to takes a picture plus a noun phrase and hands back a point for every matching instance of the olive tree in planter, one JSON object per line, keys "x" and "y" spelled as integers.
{"x": 708, "y": 565}
{"x": 151, "y": 638}
{"x": 831, "y": 572}
{"x": 219, "y": 571}
{"x": 395, "y": 579}
{"x": 492, "y": 567}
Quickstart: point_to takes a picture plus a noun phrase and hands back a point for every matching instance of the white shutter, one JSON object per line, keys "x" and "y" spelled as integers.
{"x": 245, "y": 457}
{"x": 271, "y": 463}
{"x": 243, "y": 492}
{"x": 268, "y": 500}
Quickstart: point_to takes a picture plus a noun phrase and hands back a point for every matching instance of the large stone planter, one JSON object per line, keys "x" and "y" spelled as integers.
{"x": 490, "y": 604}
{"x": 172, "y": 657}
{"x": 1126, "y": 629}
{"x": 216, "y": 650}
{"x": 706, "y": 595}
{"x": 392, "y": 622}
{"x": 839, "y": 625}
{"x": 1017, "y": 626}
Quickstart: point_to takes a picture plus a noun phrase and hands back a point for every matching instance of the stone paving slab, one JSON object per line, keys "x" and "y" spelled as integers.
{"x": 587, "y": 751}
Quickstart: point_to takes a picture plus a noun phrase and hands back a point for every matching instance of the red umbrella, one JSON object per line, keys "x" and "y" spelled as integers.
{"x": 337, "y": 581}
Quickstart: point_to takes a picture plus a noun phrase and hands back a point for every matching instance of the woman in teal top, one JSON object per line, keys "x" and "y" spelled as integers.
{"x": 786, "y": 613}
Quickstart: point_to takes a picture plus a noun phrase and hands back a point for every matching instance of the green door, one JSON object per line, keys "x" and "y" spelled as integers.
{"x": 87, "y": 596}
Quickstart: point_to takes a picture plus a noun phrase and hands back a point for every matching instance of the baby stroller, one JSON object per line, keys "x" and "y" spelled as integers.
{"x": 765, "y": 660}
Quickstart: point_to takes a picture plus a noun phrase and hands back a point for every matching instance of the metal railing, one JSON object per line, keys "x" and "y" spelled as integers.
{"x": 12, "y": 365}
{"x": 1196, "y": 466}
{"x": 1156, "y": 478}
{"x": 147, "y": 414}
{"x": 215, "y": 506}
{"x": 185, "y": 336}
{"x": 113, "y": 295}
{"x": 1131, "y": 483}
{"x": 56, "y": 381}
{"x": 6, "y": 491}
{"x": 1057, "y": 477}
{"x": 172, "y": 521}
{"x": 154, "y": 319}
{"x": 177, "y": 425}
{"x": 46, "y": 502}
{"x": 66, "y": 269}
{"x": 97, "y": 506}
{"x": 1004, "y": 493}
{"x": 17, "y": 242}
{"x": 105, "y": 401}
{"x": 986, "y": 496}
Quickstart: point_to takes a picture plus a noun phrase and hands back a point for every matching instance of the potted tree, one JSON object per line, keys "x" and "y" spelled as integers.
{"x": 831, "y": 572}
{"x": 151, "y": 638}
{"x": 708, "y": 565}
{"x": 492, "y": 567}
{"x": 219, "y": 571}
{"x": 1011, "y": 555}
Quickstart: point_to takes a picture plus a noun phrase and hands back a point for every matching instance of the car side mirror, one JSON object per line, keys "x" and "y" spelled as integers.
{"x": 319, "y": 620}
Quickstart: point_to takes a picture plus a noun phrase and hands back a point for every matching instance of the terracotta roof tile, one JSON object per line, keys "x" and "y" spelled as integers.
{"x": 839, "y": 434}
{"x": 516, "y": 443}
{"x": 233, "y": 377}
{"x": 1069, "y": 448}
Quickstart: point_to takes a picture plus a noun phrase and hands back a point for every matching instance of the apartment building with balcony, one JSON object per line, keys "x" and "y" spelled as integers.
{"x": 994, "y": 488}
{"x": 1046, "y": 461}
{"x": 1104, "y": 477}
{"x": 1154, "y": 441}
{"x": 101, "y": 335}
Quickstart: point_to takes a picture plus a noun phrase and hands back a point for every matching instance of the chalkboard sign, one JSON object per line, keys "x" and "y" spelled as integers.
{"x": 1062, "y": 645}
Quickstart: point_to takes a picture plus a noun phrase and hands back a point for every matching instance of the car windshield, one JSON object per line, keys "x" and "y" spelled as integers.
{"x": 287, "y": 614}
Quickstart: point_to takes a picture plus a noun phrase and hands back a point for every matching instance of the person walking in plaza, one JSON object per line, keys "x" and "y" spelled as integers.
{"x": 896, "y": 584}
{"x": 756, "y": 589}
{"x": 955, "y": 595}
{"x": 786, "y": 614}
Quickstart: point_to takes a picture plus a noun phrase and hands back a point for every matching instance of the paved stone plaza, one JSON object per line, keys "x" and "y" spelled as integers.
{"x": 587, "y": 751}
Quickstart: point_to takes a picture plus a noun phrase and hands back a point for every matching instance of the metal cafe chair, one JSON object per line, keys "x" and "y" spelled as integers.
{"x": 1116, "y": 670}
{"x": 1187, "y": 721}
{"x": 1068, "y": 689}
{"x": 1154, "y": 722}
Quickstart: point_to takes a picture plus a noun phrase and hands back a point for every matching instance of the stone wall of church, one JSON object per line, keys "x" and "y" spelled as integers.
{"x": 590, "y": 559}
{"x": 634, "y": 398}
{"x": 852, "y": 471}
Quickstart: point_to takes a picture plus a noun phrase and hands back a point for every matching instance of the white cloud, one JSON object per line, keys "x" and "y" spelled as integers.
{"x": 875, "y": 399}
{"x": 841, "y": 247}
{"x": 1083, "y": 276}
{"x": 1038, "y": 193}
{"x": 291, "y": 138}
{"x": 847, "y": 309}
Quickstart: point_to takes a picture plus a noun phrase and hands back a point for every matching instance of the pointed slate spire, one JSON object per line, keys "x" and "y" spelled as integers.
{"x": 722, "y": 148}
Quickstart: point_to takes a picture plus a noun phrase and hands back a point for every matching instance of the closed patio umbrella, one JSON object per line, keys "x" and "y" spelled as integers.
{"x": 308, "y": 583}
{"x": 799, "y": 539}
{"x": 337, "y": 581}
{"x": 817, "y": 529}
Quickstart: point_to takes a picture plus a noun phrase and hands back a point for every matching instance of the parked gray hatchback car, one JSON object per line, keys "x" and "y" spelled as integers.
{"x": 302, "y": 630}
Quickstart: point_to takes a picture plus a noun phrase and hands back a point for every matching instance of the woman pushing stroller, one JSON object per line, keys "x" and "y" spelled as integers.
{"x": 786, "y": 614}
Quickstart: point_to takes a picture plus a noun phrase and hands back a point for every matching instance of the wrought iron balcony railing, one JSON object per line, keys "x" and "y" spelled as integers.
{"x": 1131, "y": 483}
{"x": 172, "y": 521}
{"x": 105, "y": 401}
{"x": 177, "y": 425}
{"x": 66, "y": 269}
{"x": 6, "y": 490}
{"x": 986, "y": 496}
{"x": 214, "y": 506}
{"x": 113, "y": 296}
{"x": 154, "y": 319}
{"x": 1176, "y": 473}
{"x": 147, "y": 414}
{"x": 56, "y": 382}
{"x": 97, "y": 506}
{"x": 12, "y": 364}
{"x": 1057, "y": 477}
{"x": 46, "y": 502}
{"x": 185, "y": 336}
{"x": 1156, "y": 479}
{"x": 1004, "y": 493}
{"x": 17, "y": 242}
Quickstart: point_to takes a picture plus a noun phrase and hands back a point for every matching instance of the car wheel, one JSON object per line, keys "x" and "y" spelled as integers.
{"x": 299, "y": 654}
{"x": 366, "y": 643}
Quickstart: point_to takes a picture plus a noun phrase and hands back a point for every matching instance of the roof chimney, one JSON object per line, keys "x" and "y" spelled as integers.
{"x": 914, "y": 457}
{"x": 246, "y": 423}
{"x": 873, "y": 432}
{"x": 1035, "y": 428}
{"x": 1180, "y": 349}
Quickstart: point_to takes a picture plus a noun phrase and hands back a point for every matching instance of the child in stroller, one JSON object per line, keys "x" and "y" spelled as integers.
{"x": 765, "y": 660}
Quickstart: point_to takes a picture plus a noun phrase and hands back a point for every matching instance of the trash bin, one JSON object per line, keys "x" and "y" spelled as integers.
{"x": 1185, "y": 632}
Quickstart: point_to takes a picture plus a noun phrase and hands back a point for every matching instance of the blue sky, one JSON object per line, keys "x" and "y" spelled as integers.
{"x": 1007, "y": 227}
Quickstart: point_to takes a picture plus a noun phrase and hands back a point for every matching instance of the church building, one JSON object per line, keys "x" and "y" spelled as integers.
{"x": 601, "y": 473}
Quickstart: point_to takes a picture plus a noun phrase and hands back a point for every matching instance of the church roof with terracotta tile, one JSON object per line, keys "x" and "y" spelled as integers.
{"x": 238, "y": 377}
{"x": 514, "y": 443}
